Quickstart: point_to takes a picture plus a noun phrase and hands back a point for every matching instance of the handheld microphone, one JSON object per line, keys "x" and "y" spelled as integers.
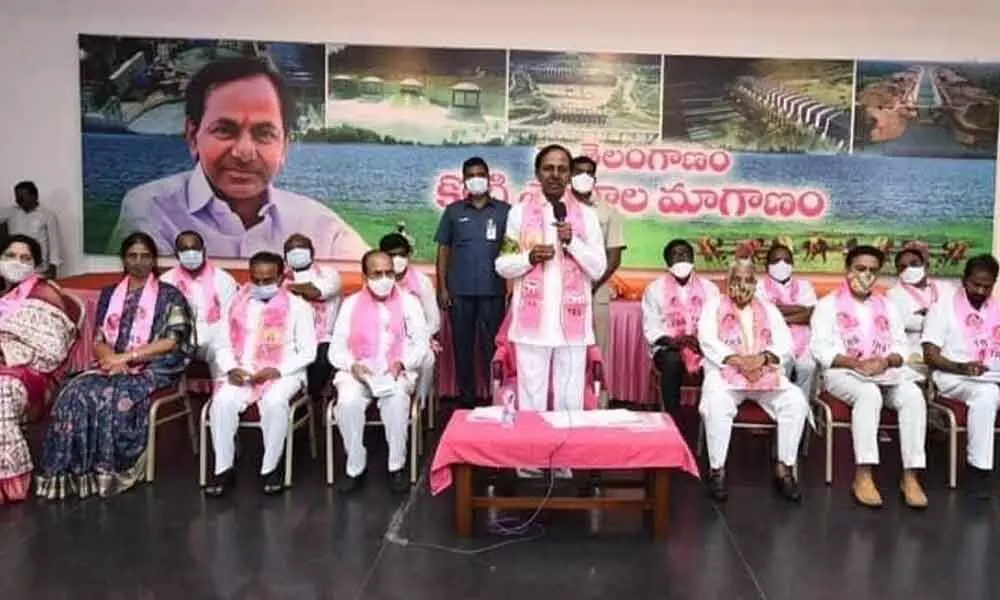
{"x": 559, "y": 211}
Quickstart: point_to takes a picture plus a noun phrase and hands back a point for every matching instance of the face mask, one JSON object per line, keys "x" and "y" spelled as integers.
{"x": 741, "y": 293}
{"x": 191, "y": 259}
{"x": 861, "y": 283}
{"x": 399, "y": 264}
{"x": 477, "y": 186}
{"x": 264, "y": 292}
{"x": 381, "y": 286}
{"x": 681, "y": 270}
{"x": 780, "y": 270}
{"x": 912, "y": 275}
{"x": 15, "y": 271}
{"x": 583, "y": 183}
{"x": 299, "y": 258}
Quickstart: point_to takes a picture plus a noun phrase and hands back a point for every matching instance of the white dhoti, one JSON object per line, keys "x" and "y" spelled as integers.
{"x": 982, "y": 399}
{"x": 788, "y": 407}
{"x": 565, "y": 366}
{"x": 866, "y": 400}
{"x": 231, "y": 400}
{"x": 352, "y": 403}
{"x": 425, "y": 378}
{"x": 208, "y": 336}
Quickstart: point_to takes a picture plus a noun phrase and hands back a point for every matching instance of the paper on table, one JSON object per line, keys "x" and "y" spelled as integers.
{"x": 486, "y": 414}
{"x": 594, "y": 418}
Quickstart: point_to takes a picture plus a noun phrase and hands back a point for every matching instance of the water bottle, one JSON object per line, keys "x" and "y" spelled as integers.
{"x": 509, "y": 413}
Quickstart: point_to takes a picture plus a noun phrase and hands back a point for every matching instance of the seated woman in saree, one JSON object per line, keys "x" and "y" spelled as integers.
{"x": 37, "y": 330}
{"x": 96, "y": 441}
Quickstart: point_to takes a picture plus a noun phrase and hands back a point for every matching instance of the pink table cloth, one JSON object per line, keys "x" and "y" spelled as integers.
{"x": 533, "y": 443}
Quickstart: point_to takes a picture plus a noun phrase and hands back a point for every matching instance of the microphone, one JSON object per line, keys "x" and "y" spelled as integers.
{"x": 559, "y": 211}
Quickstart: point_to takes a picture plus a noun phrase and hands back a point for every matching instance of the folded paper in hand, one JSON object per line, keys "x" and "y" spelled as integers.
{"x": 381, "y": 386}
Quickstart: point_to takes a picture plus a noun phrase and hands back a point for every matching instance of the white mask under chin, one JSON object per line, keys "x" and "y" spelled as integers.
{"x": 912, "y": 275}
{"x": 399, "y": 264}
{"x": 381, "y": 286}
{"x": 780, "y": 270}
{"x": 582, "y": 183}
{"x": 681, "y": 270}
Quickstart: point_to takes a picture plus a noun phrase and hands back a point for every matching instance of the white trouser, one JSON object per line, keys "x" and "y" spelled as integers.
{"x": 982, "y": 400}
{"x": 352, "y": 403}
{"x": 231, "y": 400}
{"x": 425, "y": 378}
{"x": 866, "y": 400}
{"x": 208, "y": 340}
{"x": 567, "y": 367}
{"x": 788, "y": 407}
{"x": 805, "y": 374}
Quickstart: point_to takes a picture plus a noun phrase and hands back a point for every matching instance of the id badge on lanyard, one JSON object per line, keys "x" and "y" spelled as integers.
{"x": 491, "y": 231}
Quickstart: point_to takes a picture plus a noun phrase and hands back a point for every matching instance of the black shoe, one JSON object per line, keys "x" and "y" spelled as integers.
{"x": 220, "y": 484}
{"x": 788, "y": 487}
{"x": 398, "y": 483}
{"x": 349, "y": 485}
{"x": 717, "y": 486}
{"x": 978, "y": 482}
{"x": 274, "y": 482}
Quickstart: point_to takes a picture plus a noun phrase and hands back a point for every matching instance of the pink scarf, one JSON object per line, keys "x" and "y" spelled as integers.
{"x": 920, "y": 296}
{"x": 269, "y": 343}
{"x": 788, "y": 295}
{"x": 410, "y": 282}
{"x": 367, "y": 331}
{"x": 575, "y": 289}
{"x": 863, "y": 342}
{"x": 11, "y": 301}
{"x": 680, "y": 317}
{"x": 321, "y": 308}
{"x": 981, "y": 328}
{"x": 142, "y": 324}
{"x": 731, "y": 335}
{"x": 183, "y": 279}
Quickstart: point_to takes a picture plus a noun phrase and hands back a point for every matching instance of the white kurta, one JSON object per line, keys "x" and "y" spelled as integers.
{"x": 865, "y": 398}
{"x": 654, "y": 311}
{"x": 328, "y": 282}
{"x": 719, "y": 402}
{"x": 943, "y": 329}
{"x": 354, "y": 396}
{"x": 231, "y": 400}
{"x": 804, "y": 367}
{"x": 907, "y": 307}
{"x": 427, "y": 296}
{"x": 225, "y": 288}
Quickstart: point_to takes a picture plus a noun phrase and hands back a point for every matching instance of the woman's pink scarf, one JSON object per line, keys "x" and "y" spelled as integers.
{"x": 731, "y": 334}
{"x": 11, "y": 301}
{"x": 367, "y": 330}
{"x": 145, "y": 312}
{"x": 789, "y": 295}
{"x": 863, "y": 342}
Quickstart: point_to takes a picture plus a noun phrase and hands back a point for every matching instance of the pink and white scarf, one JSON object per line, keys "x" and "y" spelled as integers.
{"x": 367, "y": 330}
{"x": 731, "y": 334}
{"x": 268, "y": 340}
{"x": 575, "y": 286}
{"x": 981, "y": 329}
{"x": 145, "y": 312}
{"x": 863, "y": 342}
{"x": 681, "y": 317}
{"x": 923, "y": 297}
{"x": 184, "y": 280}
{"x": 410, "y": 282}
{"x": 789, "y": 295}
{"x": 11, "y": 301}
{"x": 323, "y": 310}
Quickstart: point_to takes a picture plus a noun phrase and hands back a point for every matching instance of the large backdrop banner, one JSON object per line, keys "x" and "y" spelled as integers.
{"x": 346, "y": 143}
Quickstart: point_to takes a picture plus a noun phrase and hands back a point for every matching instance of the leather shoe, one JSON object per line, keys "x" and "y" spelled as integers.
{"x": 717, "y": 486}
{"x": 788, "y": 487}
{"x": 913, "y": 493}
{"x": 350, "y": 485}
{"x": 865, "y": 492}
{"x": 398, "y": 483}
{"x": 978, "y": 483}
{"x": 274, "y": 482}
{"x": 221, "y": 484}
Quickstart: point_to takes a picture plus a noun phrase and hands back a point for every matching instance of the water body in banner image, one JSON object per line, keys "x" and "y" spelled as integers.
{"x": 924, "y": 109}
{"x": 431, "y": 96}
{"x": 758, "y": 104}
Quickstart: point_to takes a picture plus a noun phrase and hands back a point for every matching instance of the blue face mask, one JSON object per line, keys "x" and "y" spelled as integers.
{"x": 264, "y": 292}
{"x": 192, "y": 260}
{"x": 299, "y": 258}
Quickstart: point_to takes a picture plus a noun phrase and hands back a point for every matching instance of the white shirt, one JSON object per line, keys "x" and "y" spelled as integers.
{"x": 300, "y": 339}
{"x": 589, "y": 254}
{"x": 827, "y": 343}
{"x": 427, "y": 296}
{"x": 415, "y": 346}
{"x": 41, "y": 225}
{"x": 907, "y": 307}
{"x": 716, "y": 351}
{"x": 165, "y": 207}
{"x": 807, "y": 293}
{"x": 654, "y": 312}
{"x": 225, "y": 288}
{"x": 943, "y": 329}
{"x": 330, "y": 287}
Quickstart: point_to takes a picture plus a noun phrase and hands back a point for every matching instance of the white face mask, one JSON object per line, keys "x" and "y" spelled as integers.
{"x": 399, "y": 264}
{"x": 477, "y": 186}
{"x": 912, "y": 275}
{"x": 264, "y": 292}
{"x": 191, "y": 259}
{"x": 299, "y": 258}
{"x": 780, "y": 270}
{"x": 681, "y": 270}
{"x": 583, "y": 183}
{"x": 381, "y": 286}
{"x": 15, "y": 271}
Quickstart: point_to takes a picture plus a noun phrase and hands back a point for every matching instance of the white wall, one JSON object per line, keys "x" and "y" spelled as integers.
{"x": 38, "y": 69}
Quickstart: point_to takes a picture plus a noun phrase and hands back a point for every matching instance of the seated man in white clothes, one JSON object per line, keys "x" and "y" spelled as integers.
{"x": 671, "y": 307}
{"x": 913, "y": 295}
{"x": 745, "y": 341}
{"x": 960, "y": 341}
{"x": 207, "y": 288}
{"x": 795, "y": 297}
{"x": 419, "y": 284}
{"x": 268, "y": 342}
{"x": 378, "y": 345}
{"x": 321, "y": 287}
{"x": 858, "y": 334}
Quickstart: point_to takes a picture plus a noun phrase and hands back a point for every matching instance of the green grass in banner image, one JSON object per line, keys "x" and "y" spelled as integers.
{"x": 100, "y": 218}
{"x": 421, "y": 224}
{"x": 646, "y": 238}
